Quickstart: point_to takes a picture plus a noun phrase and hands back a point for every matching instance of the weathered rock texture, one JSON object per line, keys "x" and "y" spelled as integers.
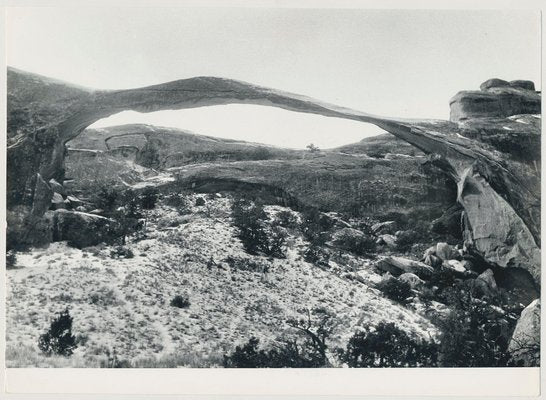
{"x": 496, "y": 98}
{"x": 499, "y": 191}
{"x": 525, "y": 343}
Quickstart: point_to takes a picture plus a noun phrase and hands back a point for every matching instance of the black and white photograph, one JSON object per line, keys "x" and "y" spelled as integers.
{"x": 239, "y": 187}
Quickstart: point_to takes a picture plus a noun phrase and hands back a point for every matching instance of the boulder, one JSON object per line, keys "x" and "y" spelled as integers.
{"x": 489, "y": 278}
{"x": 97, "y": 211}
{"x": 413, "y": 280}
{"x": 456, "y": 267}
{"x": 74, "y": 201}
{"x": 524, "y": 345}
{"x": 57, "y": 202}
{"x": 336, "y": 220}
{"x": 57, "y": 187}
{"x": 399, "y": 265}
{"x": 199, "y": 201}
{"x": 388, "y": 240}
{"x": 433, "y": 260}
{"x": 430, "y": 251}
{"x": 486, "y": 284}
{"x": 27, "y": 229}
{"x": 83, "y": 229}
{"x": 446, "y": 252}
{"x": 387, "y": 227}
{"x": 523, "y": 84}
{"x": 494, "y": 82}
{"x": 350, "y": 239}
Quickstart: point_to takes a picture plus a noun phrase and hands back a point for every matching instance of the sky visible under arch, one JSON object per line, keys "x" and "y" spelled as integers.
{"x": 399, "y": 63}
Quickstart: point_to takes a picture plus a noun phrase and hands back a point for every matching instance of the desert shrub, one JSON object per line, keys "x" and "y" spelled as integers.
{"x": 316, "y": 325}
{"x": 11, "y": 259}
{"x": 395, "y": 289}
{"x": 107, "y": 198}
{"x": 274, "y": 246}
{"x": 360, "y": 245}
{"x": 405, "y": 239}
{"x": 315, "y": 226}
{"x": 58, "y": 339}
{"x": 473, "y": 334}
{"x": 104, "y": 296}
{"x": 316, "y": 255}
{"x": 149, "y": 198}
{"x": 132, "y": 206}
{"x": 128, "y": 217}
{"x": 312, "y": 148}
{"x": 442, "y": 278}
{"x": 250, "y": 219}
{"x": 122, "y": 252}
{"x": 245, "y": 264}
{"x": 286, "y": 219}
{"x": 388, "y": 346}
{"x": 285, "y": 354}
{"x": 364, "y": 225}
{"x": 178, "y": 201}
{"x": 180, "y": 301}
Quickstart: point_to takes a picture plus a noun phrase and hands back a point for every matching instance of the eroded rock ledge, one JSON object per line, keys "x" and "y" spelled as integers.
{"x": 498, "y": 189}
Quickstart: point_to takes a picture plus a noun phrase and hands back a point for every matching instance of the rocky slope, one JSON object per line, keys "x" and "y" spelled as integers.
{"x": 122, "y": 304}
{"x": 499, "y": 191}
{"x": 365, "y": 182}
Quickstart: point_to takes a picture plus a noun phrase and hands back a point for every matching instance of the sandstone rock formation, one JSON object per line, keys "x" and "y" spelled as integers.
{"x": 525, "y": 343}
{"x": 496, "y": 98}
{"x": 400, "y": 265}
{"x": 82, "y": 229}
{"x": 499, "y": 191}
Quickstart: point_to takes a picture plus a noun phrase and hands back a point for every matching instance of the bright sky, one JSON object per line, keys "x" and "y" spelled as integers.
{"x": 392, "y": 63}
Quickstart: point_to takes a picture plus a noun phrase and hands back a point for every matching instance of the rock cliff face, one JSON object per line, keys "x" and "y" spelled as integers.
{"x": 499, "y": 191}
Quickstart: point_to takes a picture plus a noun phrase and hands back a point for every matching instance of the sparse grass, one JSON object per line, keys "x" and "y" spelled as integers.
{"x": 124, "y": 303}
{"x": 26, "y": 356}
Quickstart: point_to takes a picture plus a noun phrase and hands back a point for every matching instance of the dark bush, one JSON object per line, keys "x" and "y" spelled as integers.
{"x": 149, "y": 198}
{"x": 180, "y": 301}
{"x": 286, "y": 219}
{"x": 58, "y": 339}
{"x": 178, "y": 201}
{"x": 315, "y": 226}
{"x": 358, "y": 244}
{"x": 406, "y": 239}
{"x": 285, "y": 354}
{"x": 316, "y": 255}
{"x": 473, "y": 334}
{"x": 388, "y": 346}
{"x": 395, "y": 289}
{"x": 121, "y": 252}
{"x": 245, "y": 264}
{"x": 250, "y": 219}
{"x": 107, "y": 198}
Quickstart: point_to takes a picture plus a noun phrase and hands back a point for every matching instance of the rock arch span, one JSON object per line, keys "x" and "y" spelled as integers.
{"x": 501, "y": 201}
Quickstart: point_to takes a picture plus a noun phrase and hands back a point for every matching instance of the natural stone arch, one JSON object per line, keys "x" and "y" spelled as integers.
{"x": 502, "y": 210}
